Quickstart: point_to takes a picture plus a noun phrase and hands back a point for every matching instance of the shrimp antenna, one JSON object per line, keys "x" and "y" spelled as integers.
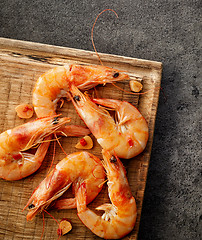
{"x": 60, "y": 144}
{"x": 164, "y": 95}
{"x": 53, "y": 158}
{"x": 93, "y": 29}
{"x": 51, "y": 216}
{"x": 53, "y": 219}
{"x": 43, "y": 226}
{"x": 141, "y": 93}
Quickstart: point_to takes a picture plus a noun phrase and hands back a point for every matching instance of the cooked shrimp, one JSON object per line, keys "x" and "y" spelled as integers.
{"x": 127, "y": 136}
{"x": 53, "y": 84}
{"x": 15, "y": 162}
{"x": 75, "y": 169}
{"x": 119, "y": 217}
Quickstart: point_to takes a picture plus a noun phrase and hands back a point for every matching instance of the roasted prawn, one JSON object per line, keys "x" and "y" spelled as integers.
{"x": 126, "y": 136}
{"x": 120, "y": 216}
{"x": 54, "y": 84}
{"x": 75, "y": 169}
{"x": 15, "y": 161}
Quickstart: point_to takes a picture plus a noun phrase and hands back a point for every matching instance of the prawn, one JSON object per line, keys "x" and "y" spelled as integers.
{"x": 119, "y": 217}
{"x": 75, "y": 169}
{"x": 15, "y": 161}
{"x": 127, "y": 136}
{"x": 54, "y": 84}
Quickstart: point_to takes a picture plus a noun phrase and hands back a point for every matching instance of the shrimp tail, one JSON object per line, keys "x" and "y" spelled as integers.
{"x": 104, "y": 207}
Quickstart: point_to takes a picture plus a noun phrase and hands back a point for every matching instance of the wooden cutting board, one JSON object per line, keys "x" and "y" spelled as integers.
{"x": 21, "y": 63}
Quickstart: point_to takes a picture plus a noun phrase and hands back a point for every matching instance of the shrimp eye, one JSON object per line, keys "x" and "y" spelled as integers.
{"x": 77, "y": 98}
{"x": 31, "y": 206}
{"x": 55, "y": 120}
{"x": 113, "y": 159}
{"x": 116, "y": 75}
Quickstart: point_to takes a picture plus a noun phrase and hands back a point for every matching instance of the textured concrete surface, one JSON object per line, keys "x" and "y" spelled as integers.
{"x": 166, "y": 31}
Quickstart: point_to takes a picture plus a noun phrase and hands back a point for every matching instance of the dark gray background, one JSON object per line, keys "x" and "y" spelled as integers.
{"x": 166, "y": 31}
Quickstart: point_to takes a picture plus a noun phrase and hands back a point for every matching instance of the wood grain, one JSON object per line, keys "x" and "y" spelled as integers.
{"x": 21, "y": 63}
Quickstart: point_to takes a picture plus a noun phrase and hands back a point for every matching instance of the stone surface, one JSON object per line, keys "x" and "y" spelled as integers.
{"x": 166, "y": 31}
